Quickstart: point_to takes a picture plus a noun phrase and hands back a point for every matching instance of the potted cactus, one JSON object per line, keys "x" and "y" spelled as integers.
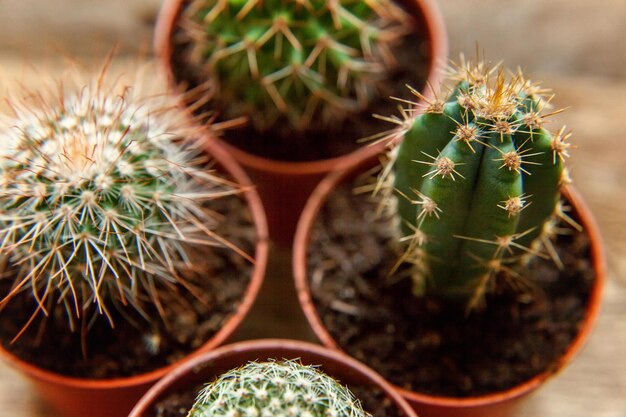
{"x": 117, "y": 259}
{"x": 272, "y": 378}
{"x": 476, "y": 283}
{"x": 304, "y": 76}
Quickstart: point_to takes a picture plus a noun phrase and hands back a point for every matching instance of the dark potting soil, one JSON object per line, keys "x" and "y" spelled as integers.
{"x": 376, "y": 402}
{"x": 178, "y": 403}
{"x": 413, "y": 56}
{"x": 421, "y": 345}
{"x": 137, "y": 345}
{"x": 175, "y": 404}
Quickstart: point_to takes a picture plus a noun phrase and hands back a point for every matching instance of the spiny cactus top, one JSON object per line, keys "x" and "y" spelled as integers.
{"x": 100, "y": 200}
{"x": 477, "y": 177}
{"x": 276, "y": 389}
{"x": 278, "y": 61}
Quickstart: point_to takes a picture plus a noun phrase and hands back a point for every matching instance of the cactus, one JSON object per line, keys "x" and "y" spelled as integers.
{"x": 276, "y": 389}
{"x": 286, "y": 62}
{"x": 101, "y": 200}
{"x": 477, "y": 180}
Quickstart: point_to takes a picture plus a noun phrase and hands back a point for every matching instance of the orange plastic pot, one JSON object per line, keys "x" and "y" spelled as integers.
{"x": 205, "y": 368}
{"x": 284, "y": 186}
{"x": 497, "y": 404}
{"x": 80, "y": 397}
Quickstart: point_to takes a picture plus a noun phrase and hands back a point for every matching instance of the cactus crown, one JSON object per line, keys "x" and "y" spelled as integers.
{"x": 477, "y": 180}
{"x": 100, "y": 201}
{"x": 276, "y": 389}
{"x": 288, "y": 61}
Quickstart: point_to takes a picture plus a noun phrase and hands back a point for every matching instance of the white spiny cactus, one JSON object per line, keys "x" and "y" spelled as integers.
{"x": 100, "y": 197}
{"x": 276, "y": 389}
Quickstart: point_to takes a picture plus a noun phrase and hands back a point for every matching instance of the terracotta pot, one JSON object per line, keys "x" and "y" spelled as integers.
{"x": 205, "y": 368}
{"x": 80, "y": 397}
{"x": 498, "y": 404}
{"x": 284, "y": 186}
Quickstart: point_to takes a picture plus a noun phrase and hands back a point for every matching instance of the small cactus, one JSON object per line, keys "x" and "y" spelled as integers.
{"x": 477, "y": 180}
{"x": 100, "y": 198}
{"x": 276, "y": 389}
{"x": 278, "y": 61}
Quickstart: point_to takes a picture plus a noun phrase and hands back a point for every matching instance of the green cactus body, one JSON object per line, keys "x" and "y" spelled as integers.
{"x": 543, "y": 177}
{"x": 100, "y": 203}
{"x": 477, "y": 177}
{"x": 278, "y": 61}
{"x": 276, "y": 389}
{"x": 436, "y": 126}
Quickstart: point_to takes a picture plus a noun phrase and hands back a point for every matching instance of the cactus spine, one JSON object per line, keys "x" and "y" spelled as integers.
{"x": 100, "y": 200}
{"x": 477, "y": 177}
{"x": 276, "y": 389}
{"x": 288, "y": 61}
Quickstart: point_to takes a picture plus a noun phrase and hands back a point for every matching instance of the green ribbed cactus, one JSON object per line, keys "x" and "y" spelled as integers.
{"x": 101, "y": 201}
{"x": 477, "y": 178}
{"x": 289, "y": 61}
{"x": 276, "y": 389}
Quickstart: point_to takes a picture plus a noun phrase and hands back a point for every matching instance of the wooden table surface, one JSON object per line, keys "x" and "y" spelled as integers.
{"x": 576, "y": 47}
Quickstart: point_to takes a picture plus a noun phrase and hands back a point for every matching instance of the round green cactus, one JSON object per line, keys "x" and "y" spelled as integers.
{"x": 276, "y": 389}
{"x": 100, "y": 198}
{"x": 278, "y": 61}
{"x": 477, "y": 179}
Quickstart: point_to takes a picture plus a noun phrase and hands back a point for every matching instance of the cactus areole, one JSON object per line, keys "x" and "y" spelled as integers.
{"x": 292, "y": 62}
{"x": 477, "y": 179}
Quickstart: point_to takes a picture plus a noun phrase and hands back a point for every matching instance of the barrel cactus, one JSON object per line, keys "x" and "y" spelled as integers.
{"x": 100, "y": 198}
{"x": 276, "y": 389}
{"x": 286, "y": 62}
{"x": 477, "y": 179}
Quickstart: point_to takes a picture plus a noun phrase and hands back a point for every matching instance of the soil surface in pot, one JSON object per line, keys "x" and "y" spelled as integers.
{"x": 137, "y": 345}
{"x": 421, "y": 345}
{"x": 178, "y": 403}
{"x": 413, "y": 57}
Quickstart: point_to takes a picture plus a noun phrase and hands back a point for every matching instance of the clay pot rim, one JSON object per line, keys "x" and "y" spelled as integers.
{"x": 224, "y": 160}
{"x": 283, "y": 346}
{"x": 438, "y": 40}
{"x": 301, "y": 244}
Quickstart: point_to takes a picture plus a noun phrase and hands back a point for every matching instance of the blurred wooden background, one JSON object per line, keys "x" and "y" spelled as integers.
{"x": 577, "y": 47}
